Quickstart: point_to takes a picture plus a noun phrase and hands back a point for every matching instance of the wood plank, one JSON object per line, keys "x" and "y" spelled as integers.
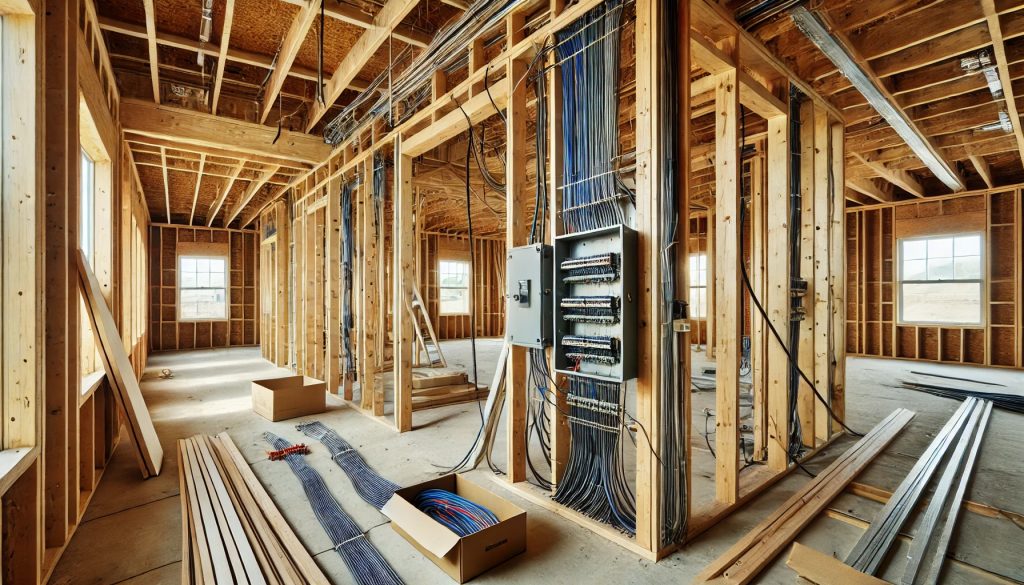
{"x": 822, "y": 293}
{"x": 981, "y": 166}
{"x": 898, "y": 177}
{"x": 823, "y": 569}
{"x": 777, "y": 303}
{"x": 120, "y": 374}
{"x": 250, "y": 192}
{"x": 744, "y": 560}
{"x": 477, "y": 108}
{"x": 871, "y": 189}
{"x": 404, "y": 274}
{"x": 195, "y": 194}
{"x": 999, "y": 50}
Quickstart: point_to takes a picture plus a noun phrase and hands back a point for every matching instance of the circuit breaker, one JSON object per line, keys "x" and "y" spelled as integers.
{"x": 529, "y": 273}
{"x": 596, "y": 303}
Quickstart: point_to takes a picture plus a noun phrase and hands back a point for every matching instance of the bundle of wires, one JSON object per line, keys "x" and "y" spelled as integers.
{"x": 363, "y": 560}
{"x": 370, "y": 486}
{"x": 538, "y": 424}
{"x": 588, "y": 52}
{"x": 454, "y": 512}
{"x": 595, "y": 482}
{"x": 412, "y": 87}
{"x": 347, "y": 251}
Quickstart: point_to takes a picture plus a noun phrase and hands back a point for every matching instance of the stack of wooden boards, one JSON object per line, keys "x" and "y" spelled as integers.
{"x": 120, "y": 373}
{"x": 232, "y": 531}
{"x": 741, "y": 563}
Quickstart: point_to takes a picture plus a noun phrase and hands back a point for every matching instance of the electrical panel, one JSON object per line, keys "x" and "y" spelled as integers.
{"x": 596, "y": 303}
{"x": 529, "y": 295}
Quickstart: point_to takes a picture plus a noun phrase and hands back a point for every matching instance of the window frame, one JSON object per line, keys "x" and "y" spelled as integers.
{"x": 468, "y": 288}
{"x": 698, "y": 254}
{"x": 227, "y": 287}
{"x": 980, "y": 281}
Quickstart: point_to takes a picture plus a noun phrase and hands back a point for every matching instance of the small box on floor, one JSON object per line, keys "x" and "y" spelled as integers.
{"x": 461, "y": 557}
{"x": 283, "y": 398}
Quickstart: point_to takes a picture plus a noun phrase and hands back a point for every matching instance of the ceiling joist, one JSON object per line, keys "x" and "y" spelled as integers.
{"x": 225, "y": 39}
{"x": 999, "y": 52}
{"x": 154, "y": 61}
{"x": 215, "y": 208}
{"x": 286, "y": 55}
{"x": 199, "y": 181}
{"x": 250, "y": 192}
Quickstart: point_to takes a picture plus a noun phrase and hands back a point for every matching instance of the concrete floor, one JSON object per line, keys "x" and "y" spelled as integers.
{"x": 131, "y": 530}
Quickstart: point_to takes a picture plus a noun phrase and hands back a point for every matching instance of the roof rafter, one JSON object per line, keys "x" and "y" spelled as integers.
{"x": 154, "y": 58}
{"x": 982, "y": 167}
{"x": 215, "y": 208}
{"x": 999, "y": 52}
{"x": 289, "y": 50}
{"x": 167, "y": 190}
{"x": 250, "y": 192}
{"x": 352, "y": 15}
{"x": 199, "y": 180}
{"x": 383, "y": 24}
{"x": 871, "y": 189}
{"x": 900, "y": 178}
{"x": 225, "y": 39}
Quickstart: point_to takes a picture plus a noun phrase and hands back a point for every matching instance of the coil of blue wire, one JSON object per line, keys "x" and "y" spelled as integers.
{"x": 456, "y": 513}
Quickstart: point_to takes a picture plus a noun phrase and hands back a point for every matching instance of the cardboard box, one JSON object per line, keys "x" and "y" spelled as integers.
{"x": 283, "y": 398}
{"x": 461, "y": 557}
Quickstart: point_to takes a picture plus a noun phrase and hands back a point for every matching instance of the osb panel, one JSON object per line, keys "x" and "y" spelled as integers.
{"x": 261, "y": 26}
{"x": 338, "y": 40}
{"x": 126, "y": 10}
{"x": 182, "y": 17}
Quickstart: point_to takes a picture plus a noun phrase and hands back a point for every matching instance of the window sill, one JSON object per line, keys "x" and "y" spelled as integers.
{"x": 91, "y": 383}
{"x": 13, "y": 463}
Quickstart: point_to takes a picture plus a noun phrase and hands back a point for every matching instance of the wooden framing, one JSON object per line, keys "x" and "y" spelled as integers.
{"x": 290, "y": 46}
{"x": 872, "y": 236}
{"x": 225, "y": 37}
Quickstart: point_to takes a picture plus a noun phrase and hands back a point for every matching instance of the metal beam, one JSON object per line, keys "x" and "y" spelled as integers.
{"x": 838, "y": 49}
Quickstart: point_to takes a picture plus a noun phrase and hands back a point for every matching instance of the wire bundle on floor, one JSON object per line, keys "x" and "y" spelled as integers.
{"x": 456, "y": 513}
{"x": 368, "y": 483}
{"x": 363, "y": 560}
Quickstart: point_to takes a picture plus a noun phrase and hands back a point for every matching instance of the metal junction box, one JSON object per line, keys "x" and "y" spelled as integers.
{"x": 529, "y": 296}
{"x": 596, "y": 303}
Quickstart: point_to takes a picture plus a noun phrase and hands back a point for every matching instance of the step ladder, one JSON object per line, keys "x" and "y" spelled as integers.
{"x": 426, "y": 339}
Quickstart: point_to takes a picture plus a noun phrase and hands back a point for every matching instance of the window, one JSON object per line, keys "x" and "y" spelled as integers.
{"x": 87, "y": 206}
{"x": 940, "y": 280}
{"x": 699, "y": 286}
{"x": 454, "y": 282}
{"x": 202, "y": 290}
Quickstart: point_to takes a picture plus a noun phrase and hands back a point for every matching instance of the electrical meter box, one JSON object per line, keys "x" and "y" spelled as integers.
{"x": 596, "y": 303}
{"x": 529, "y": 296}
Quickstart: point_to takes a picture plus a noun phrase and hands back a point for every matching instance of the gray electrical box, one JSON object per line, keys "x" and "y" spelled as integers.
{"x": 529, "y": 296}
{"x": 596, "y": 303}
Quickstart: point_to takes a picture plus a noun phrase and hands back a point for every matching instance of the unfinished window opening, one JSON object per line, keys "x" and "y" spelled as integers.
{"x": 454, "y": 286}
{"x": 698, "y": 285}
{"x": 941, "y": 280}
{"x": 202, "y": 292}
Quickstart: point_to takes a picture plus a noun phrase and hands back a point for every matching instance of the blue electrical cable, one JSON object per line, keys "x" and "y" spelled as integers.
{"x": 456, "y": 513}
{"x": 373, "y": 488}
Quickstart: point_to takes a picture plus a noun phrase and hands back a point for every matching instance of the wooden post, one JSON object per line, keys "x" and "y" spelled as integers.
{"x": 283, "y": 277}
{"x": 777, "y": 299}
{"x": 560, "y": 438}
{"x": 515, "y": 235}
{"x": 822, "y": 255}
{"x": 368, "y": 316}
{"x": 403, "y": 276}
{"x": 728, "y": 317}
{"x": 805, "y": 398}
{"x": 758, "y": 331}
{"x": 837, "y": 271}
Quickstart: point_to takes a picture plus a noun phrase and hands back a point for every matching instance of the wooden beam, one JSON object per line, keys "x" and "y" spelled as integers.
{"x": 728, "y": 319}
{"x": 403, "y": 276}
{"x": 361, "y": 52}
{"x": 478, "y": 108}
{"x": 206, "y": 130}
{"x": 823, "y": 569}
{"x": 199, "y": 181}
{"x": 135, "y": 140}
{"x": 225, "y": 38}
{"x": 871, "y": 189}
{"x": 286, "y": 56}
{"x": 167, "y": 191}
{"x": 215, "y": 208}
{"x": 983, "y": 169}
{"x": 154, "y": 56}
{"x": 900, "y": 178}
{"x": 254, "y": 186}
{"x": 777, "y": 264}
{"x": 999, "y": 50}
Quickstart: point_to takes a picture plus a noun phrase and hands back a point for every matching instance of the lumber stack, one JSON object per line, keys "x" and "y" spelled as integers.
{"x": 742, "y": 563}
{"x": 231, "y": 530}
